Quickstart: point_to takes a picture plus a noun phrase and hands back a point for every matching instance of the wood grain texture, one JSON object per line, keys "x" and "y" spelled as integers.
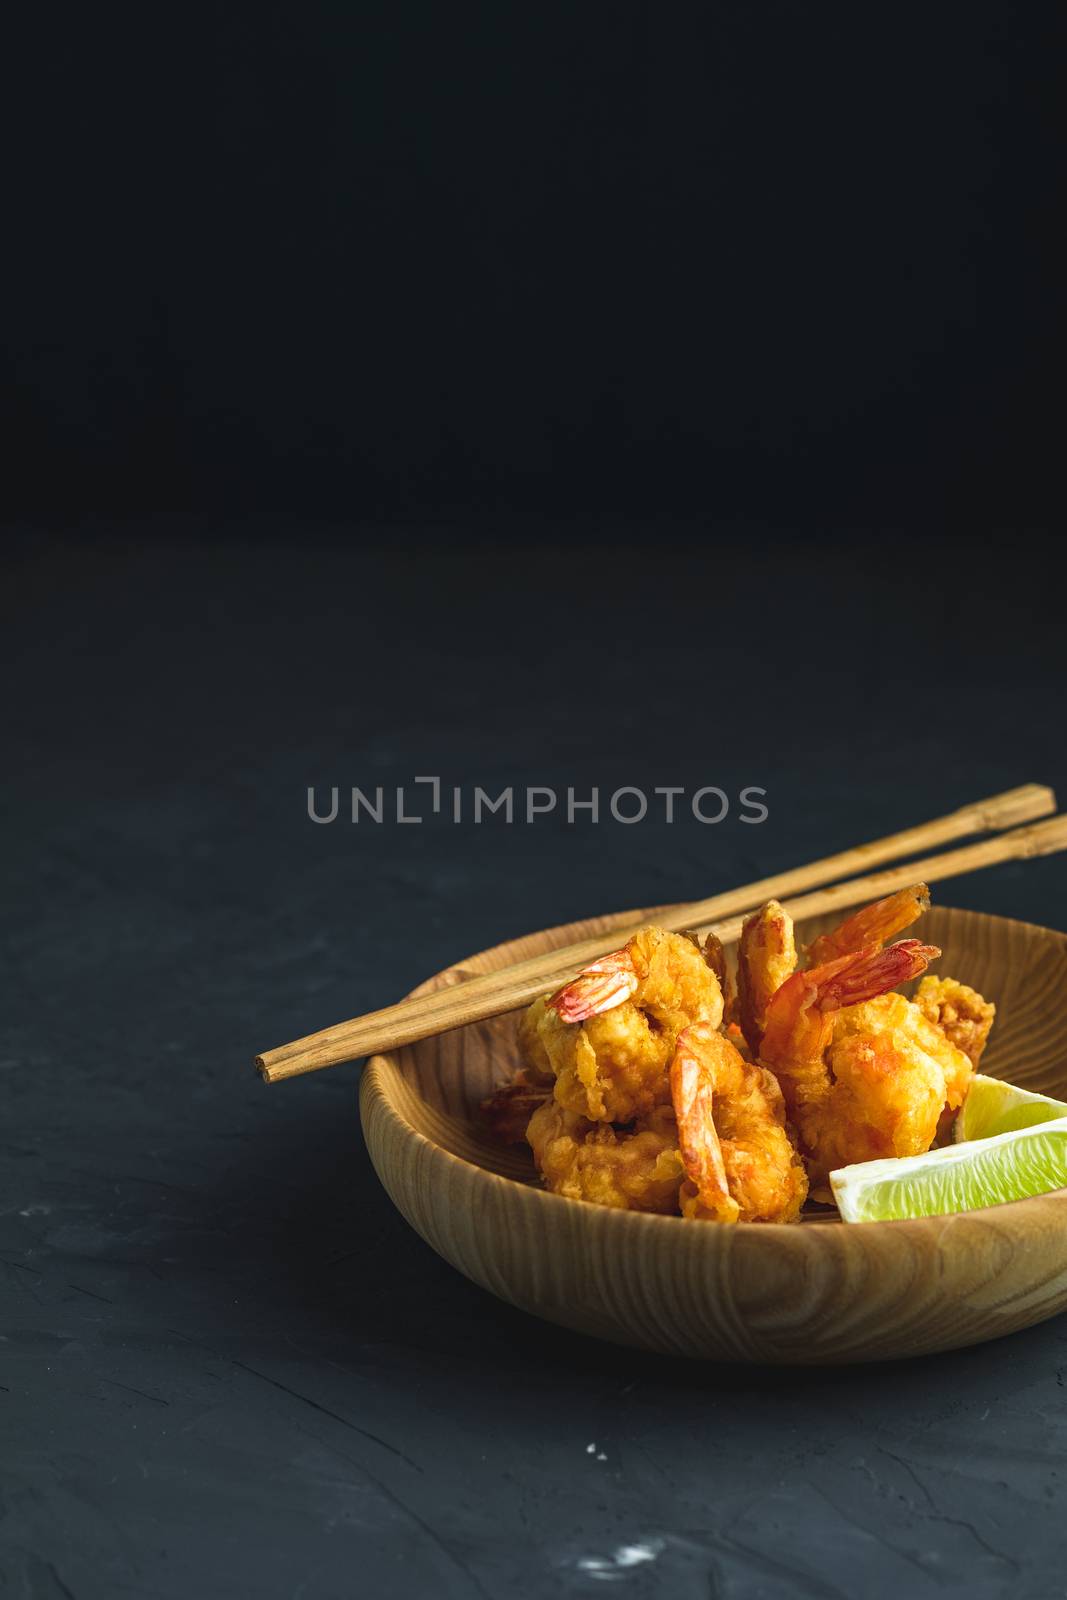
{"x": 815, "y": 1293}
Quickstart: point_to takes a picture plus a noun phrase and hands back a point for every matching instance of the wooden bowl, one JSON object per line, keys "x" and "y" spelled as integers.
{"x": 817, "y": 1292}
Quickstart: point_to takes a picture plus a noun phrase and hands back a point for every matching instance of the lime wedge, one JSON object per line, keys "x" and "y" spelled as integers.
{"x": 960, "y": 1177}
{"x": 993, "y": 1107}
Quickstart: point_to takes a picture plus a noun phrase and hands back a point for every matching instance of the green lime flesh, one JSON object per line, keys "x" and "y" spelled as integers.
{"x": 960, "y": 1177}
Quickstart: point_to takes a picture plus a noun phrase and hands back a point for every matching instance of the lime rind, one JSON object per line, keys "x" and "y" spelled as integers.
{"x": 960, "y": 1177}
{"x": 993, "y": 1106}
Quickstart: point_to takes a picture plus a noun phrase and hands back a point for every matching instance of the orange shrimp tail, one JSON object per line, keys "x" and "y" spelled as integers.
{"x": 800, "y": 1016}
{"x": 871, "y": 972}
{"x": 873, "y": 924}
{"x": 603, "y": 985}
{"x": 698, "y": 1141}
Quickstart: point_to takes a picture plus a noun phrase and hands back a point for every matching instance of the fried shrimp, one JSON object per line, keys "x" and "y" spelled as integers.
{"x": 610, "y": 1034}
{"x": 536, "y": 1065}
{"x": 863, "y": 1077}
{"x": 507, "y": 1111}
{"x": 719, "y": 1152}
{"x": 766, "y": 957}
{"x": 715, "y": 957}
{"x": 767, "y": 953}
{"x": 905, "y": 1067}
{"x": 646, "y": 1086}
{"x": 740, "y": 1164}
{"x": 638, "y": 1169}
{"x": 961, "y": 1013}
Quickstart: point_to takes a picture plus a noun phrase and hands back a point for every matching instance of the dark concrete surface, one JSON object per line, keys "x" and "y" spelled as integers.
{"x": 227, "y": 1367}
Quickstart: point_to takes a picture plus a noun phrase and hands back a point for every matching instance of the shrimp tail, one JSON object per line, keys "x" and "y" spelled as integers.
{"x": 870, "y": 972}
{"x": 873, "y": 924}
{"x": 800, "y": 1015}
{"x": 603, "y": 985}
{"x": 698, "y": 1141}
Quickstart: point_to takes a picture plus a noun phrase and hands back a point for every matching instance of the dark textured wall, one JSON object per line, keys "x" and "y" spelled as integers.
{"x": 787, "y": 262}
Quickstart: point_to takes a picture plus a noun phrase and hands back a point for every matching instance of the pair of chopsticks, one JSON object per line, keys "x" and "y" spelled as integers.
{"x": 493, "y": 993}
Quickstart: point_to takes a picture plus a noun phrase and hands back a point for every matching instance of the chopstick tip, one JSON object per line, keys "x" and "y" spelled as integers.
{"x": 1024, "y": 804}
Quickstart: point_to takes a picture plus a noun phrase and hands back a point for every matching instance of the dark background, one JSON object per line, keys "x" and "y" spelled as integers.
{"x": 779, "y": 262}
{"x": 589, "y": 396}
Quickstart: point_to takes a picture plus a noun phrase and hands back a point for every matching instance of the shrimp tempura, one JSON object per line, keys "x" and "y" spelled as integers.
{"x": 609, "y": 1035}
{"x": 740, "y": 1163}
{"x": 864, "y": 1073}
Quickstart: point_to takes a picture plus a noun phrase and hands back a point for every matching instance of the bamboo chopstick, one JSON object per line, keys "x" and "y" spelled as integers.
{"x": 492, "y": 994}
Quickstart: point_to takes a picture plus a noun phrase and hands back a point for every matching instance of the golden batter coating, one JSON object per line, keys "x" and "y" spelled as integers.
{"x": 715, "y": 956}
{"x": 636, "y": 1169}
{"x": 637, "y": 1095}
{"x": 740, "y": 1162}
{"x": 900, "y": 1074}
{"x": 610, "y": 1034}
{"x": 720, "y": 1152}
{"x": 864, "y": 1073}
{"x": 767, "y": 953}
{"x": 766, "y": 957}
{"x": 961, "y": 1014}
{"x": 536, "y": 1065}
